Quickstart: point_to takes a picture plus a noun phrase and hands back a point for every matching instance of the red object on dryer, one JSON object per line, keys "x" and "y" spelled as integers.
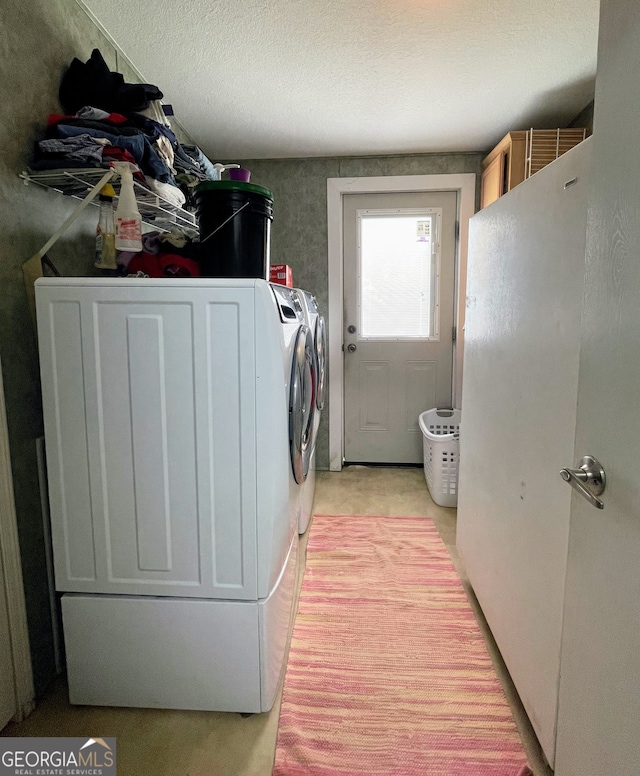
{"x": 163, "y": 265}
{"x": 282, "y": 274}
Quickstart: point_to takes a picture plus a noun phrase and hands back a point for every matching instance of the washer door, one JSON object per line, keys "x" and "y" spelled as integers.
{"x": 302, "y": 405}
{"x": 321, "y": 360}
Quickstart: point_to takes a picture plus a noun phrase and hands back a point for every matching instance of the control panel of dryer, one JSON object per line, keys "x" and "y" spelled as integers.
{"x": 288, "y": 303}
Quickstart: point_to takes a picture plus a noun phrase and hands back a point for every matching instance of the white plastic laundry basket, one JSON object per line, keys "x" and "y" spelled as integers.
{"x": 441, "y": 444}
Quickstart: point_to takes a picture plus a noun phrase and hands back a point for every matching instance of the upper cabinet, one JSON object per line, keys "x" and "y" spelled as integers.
{"x": 521, "y": 154}
{"x": 503, "y": 168}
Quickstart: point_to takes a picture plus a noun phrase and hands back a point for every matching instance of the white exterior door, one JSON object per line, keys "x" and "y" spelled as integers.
{"x": 7, "y": 688}
{"x": 599, "y": 707}
{"x": 399, "y": 278}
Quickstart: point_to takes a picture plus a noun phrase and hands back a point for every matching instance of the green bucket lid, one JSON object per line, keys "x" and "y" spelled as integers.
{"x": 234, "y": 186}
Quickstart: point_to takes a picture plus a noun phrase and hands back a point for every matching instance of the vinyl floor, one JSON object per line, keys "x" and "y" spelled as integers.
{"x": 152, "y": 742}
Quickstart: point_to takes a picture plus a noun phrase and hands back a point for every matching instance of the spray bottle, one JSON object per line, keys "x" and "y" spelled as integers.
{"x": 105, "y": 231}
{"x": 128, "y": 221}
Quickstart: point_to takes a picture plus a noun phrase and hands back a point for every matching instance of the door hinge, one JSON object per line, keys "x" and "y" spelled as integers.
{"x": 457, "y": 230}
{"x": 454, "y": 334}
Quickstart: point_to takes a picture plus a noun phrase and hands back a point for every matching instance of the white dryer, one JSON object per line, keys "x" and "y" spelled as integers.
{"x": 303, "y": 389}
{"x": 315, "y": 322}
{"x": 177, "y": 422}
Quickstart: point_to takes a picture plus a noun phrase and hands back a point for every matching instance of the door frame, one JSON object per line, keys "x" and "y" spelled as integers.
{"x": 10, "y": 551}
{"x": 464, "y": 184}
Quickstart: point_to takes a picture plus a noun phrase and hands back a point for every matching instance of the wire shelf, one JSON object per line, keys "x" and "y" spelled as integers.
{"x": 543, "y": 146}
{"x": 154, "y": 209}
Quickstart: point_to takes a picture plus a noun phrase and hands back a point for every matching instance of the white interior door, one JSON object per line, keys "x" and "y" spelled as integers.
{"x": 399, "y": 278}
{"x": 8, "y": 706}
{"x": 599, "y": 708}
{"x": 524, "y": 299}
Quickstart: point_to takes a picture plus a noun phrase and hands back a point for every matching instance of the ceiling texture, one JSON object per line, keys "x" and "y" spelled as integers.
{"x": 302, "y": 78}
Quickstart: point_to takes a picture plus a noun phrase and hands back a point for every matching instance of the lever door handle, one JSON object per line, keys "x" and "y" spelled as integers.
{"x": 589, "y": 480}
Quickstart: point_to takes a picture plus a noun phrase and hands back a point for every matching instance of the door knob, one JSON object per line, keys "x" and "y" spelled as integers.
{"x": 589, "y": 480}
{"x": 351, "y": 348}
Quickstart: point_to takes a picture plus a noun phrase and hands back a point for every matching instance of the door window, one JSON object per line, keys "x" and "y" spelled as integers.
{"x": 399, "y": 268}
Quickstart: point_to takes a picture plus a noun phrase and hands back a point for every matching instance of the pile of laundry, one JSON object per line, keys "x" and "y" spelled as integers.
{"x": 106, "y": 119}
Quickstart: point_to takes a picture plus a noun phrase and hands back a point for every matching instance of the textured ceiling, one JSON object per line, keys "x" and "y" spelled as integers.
{"x": 297, "y": 78}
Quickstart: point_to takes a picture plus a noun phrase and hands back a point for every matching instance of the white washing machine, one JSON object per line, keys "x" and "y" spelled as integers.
{"x": 177, "y": 421}
{"x": 315, "y": 322}
{"x": 302, "y": 423}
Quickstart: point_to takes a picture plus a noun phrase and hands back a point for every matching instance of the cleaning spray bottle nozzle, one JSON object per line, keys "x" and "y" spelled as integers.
{"x": 128, "y": 168}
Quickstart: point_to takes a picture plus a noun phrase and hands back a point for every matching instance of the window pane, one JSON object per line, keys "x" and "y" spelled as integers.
{"x": 397, "y": 276}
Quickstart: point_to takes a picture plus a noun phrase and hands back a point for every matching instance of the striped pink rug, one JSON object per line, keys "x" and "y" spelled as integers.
{"x": 388, "y": 672}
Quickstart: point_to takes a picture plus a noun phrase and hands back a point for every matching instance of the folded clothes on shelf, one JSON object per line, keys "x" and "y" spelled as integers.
{"x": 105, "y": 119}
{"x": 82, "y": 148}
{"x": 92, "y": 83}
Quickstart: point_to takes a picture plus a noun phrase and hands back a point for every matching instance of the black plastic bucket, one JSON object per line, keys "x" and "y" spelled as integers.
{"x": 234, "y": 219}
